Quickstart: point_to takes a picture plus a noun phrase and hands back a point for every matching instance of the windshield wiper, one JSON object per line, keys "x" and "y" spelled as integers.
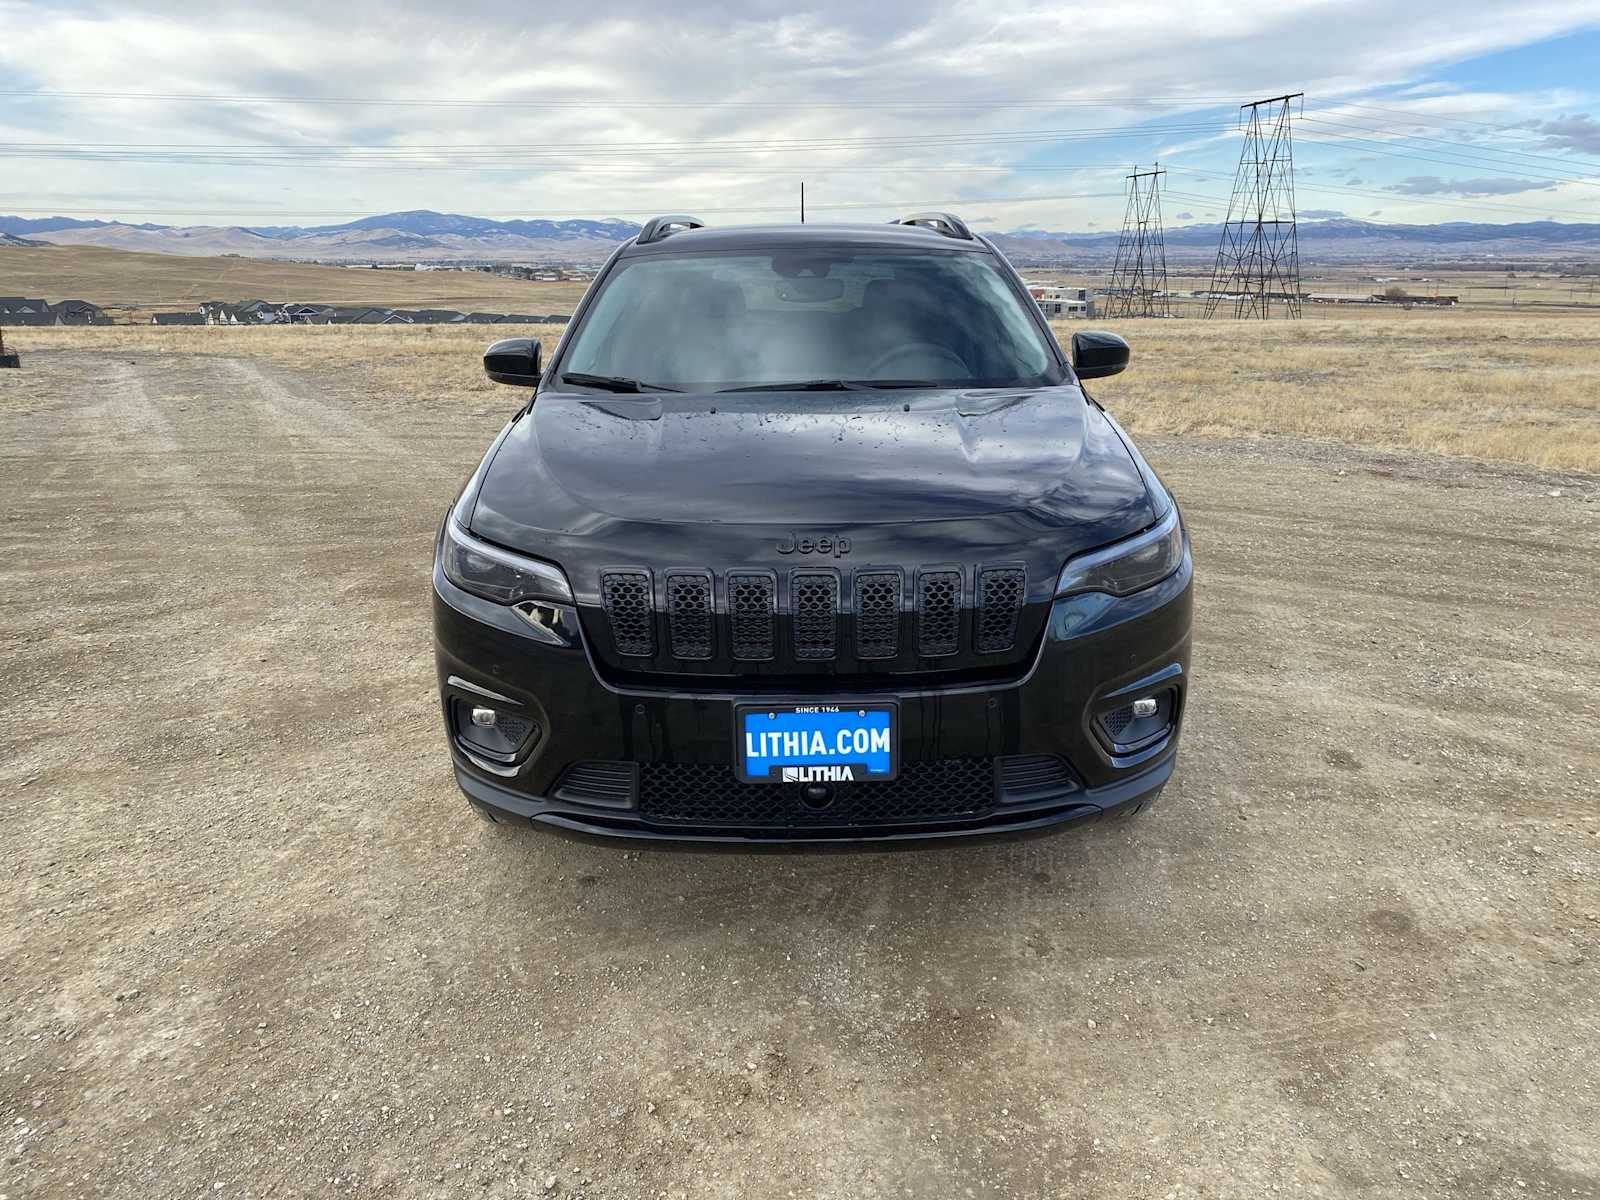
{"x": 613, "y": 383}
{"x": 834, "y": 385}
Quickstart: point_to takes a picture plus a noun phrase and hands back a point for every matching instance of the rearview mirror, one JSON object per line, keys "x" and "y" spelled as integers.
{"x": 1096, "y": 354}
{"x": 514, "y": 361}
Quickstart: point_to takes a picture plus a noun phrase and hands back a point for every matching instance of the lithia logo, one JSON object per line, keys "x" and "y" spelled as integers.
{"x": 794, "y": 543}
{"x": 819, "y": 774}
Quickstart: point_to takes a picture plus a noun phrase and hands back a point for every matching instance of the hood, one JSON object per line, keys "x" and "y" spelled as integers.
{"x": 810, "y": 460}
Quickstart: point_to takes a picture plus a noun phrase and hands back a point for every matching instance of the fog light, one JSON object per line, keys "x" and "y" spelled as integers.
{"x": 1137, "y": 724}
{"x": 501, "y": 737}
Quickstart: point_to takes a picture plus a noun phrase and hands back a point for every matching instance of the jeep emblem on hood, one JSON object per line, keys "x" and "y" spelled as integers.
{"x": 794, "y": 543}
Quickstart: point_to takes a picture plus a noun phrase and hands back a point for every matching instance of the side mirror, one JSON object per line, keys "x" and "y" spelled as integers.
{"x": 514, "y": 361}
{"x": 1096, "y": 354}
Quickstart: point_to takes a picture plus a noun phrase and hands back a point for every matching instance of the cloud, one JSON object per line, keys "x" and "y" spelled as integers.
{"x": 1579, "y": 133}
{"x": 1320, "y": 214}
{"x": 1357, "y": 182}
{"x": 1377, "y": 212}
{"x": 1489, "y": 185}
{"x": 1184, "y": 216}
{"x": 599, "y": 110}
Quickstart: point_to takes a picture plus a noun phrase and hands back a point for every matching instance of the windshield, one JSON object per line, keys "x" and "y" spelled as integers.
{"x": 827, "y": 317}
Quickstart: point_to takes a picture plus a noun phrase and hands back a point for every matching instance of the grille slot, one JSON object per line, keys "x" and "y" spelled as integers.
{"x": 1034, "y": 777}
{"x": 752, "y": 605}
{"x": 612, "y": 784}
{"x": 689, "y": 613}
{"x": 938, "y": 613}
{"x": 626, "y": 595}
{"x": 999, "y": 605}
{"x": 708, "y": 794}
{"x": 877, "y": 614}
{"x": 816, "y": 615}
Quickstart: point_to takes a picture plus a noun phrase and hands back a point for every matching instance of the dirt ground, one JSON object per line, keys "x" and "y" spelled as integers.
{"x": 256, "y": 945}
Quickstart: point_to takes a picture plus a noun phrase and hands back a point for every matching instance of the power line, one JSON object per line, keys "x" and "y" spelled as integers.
{"x": 1459, "y": 158}
{"x": 1362, "y": 124}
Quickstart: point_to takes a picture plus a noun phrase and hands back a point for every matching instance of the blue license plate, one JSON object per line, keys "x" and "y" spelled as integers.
{"x": 815, "y": 743}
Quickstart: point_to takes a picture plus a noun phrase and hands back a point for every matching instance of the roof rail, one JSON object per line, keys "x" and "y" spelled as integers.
{"x": 949, "y": 225}
{"x": 657, "y": 228}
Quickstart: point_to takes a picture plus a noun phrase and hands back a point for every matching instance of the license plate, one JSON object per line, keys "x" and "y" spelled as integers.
{"x": 816, "y": 743}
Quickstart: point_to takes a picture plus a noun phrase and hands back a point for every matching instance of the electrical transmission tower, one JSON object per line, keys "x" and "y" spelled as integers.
{"x": 1258, "y": 259}
{"x": 1139, "y": 275}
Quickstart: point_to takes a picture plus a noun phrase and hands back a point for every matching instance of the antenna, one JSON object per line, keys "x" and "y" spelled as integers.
{"x": 1258, "y": 258}
{"x": 1139, "y": 275}
{"x": 802, "y": 202}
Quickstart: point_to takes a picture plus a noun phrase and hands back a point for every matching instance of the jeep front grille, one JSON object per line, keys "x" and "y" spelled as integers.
{"x": 816, "y": 614}
{"x": 812, "y": 617}
{"x": 752, "y": 609}
{"x": 877, "y": 614}
{"x": 999, "y": 603}
{"x": 938, "y": 612}
{"x": 628, "y": 604}
{"x": 689, "y": 613}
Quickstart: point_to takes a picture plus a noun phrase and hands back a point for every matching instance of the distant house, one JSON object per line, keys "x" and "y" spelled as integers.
{"x": 437, "y": 316}
{"x": 21, "y": 310}
{"x": 178, "y": 318}
{"x": 366, "y": 316}
{"x": 520, "y": 319}
{"x": 307, "y": 314}
{"x": 216, "y": 312}
{"x": 80, "y": 312}
{"x": 483, "y": 318}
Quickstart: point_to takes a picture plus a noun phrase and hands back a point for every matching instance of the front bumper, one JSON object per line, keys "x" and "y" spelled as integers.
{"x": 1097, "y": 652}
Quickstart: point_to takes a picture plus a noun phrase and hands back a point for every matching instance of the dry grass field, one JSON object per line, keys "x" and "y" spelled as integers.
{"x": 1512, "y": 387}
{"x": 126, "y": 283}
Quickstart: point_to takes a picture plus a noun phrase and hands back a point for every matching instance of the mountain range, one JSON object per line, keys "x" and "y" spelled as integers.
{"x": 422, "y": 235}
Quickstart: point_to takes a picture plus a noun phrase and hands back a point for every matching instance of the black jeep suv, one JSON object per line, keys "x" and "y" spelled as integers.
{"x": 810, "y": 534}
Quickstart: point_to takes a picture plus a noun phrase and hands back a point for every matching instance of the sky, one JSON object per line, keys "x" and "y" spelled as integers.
{"x": 1016, "y": 115}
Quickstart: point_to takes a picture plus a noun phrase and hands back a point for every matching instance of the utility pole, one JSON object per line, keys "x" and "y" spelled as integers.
{"x": 1139, "y": 275}
{"x": 1258, "y": 258}
{"x": 802, "y": 202}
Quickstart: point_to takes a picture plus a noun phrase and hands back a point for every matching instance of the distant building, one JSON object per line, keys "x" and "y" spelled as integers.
{"x": 1068, "y": 303}
{"x": 178, "y": 318}
{"x": 80, "y": 312}
{"x": 21, "y": 310}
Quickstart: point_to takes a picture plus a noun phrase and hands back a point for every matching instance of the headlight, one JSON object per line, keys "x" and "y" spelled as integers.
{"x": 1127, "y": 566}
{"x": 497, "y": 574}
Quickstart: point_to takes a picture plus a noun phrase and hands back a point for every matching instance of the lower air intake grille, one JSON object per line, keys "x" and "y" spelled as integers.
{"x": 938, "y": 612}
{"x": 877, "y": 614}
{"x": 751, "y": 604}
{"x": 689, "y": 613}
{"x": 627, "y": 599}
{"x": 1034, "y": 777}
{"x": 607, "y": 783}
{"x": 709, "y": 795}
{"x": 816, "y": 615}
{"x": 999, "y": 603}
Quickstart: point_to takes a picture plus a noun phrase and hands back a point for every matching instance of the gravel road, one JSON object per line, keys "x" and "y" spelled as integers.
{"x": 256, "y": 945}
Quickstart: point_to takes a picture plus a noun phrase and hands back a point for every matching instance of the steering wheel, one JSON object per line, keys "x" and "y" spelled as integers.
{"x": 923, "y": 351}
